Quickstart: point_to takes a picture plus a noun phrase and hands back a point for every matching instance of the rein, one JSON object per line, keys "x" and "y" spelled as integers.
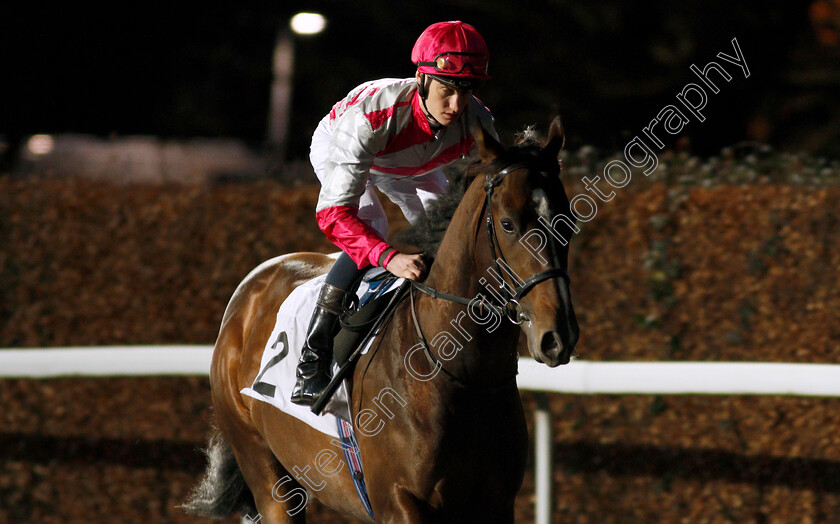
{"x": 434, "y": 293}
{"x": 435, "y": 363}
{"x": 509, "y": 309}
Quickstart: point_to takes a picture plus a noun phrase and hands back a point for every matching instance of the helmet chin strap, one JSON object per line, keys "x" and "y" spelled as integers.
{"x": 423, "y": 88}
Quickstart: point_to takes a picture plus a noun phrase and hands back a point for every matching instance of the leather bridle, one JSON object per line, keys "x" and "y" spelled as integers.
{"x": 514, "y": 311}
{"x": 510, "y": 308}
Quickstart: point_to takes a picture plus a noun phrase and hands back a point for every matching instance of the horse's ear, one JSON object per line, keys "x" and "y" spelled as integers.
{"x": 488, "y": 147}
{"x": 556, "y": 139}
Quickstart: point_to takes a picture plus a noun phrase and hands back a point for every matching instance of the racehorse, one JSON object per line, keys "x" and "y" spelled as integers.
{"x": 451, "y": 441}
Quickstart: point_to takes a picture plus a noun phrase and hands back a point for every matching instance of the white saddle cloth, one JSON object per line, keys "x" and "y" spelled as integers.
{"x": 276, "y": 379}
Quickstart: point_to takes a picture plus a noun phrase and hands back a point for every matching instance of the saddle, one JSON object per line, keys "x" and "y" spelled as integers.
{"x": 361, "y": 317}
{"x": 377, "y": 295}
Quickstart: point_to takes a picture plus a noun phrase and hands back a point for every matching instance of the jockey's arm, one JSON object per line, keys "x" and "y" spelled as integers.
{"x": 352, "y": 151}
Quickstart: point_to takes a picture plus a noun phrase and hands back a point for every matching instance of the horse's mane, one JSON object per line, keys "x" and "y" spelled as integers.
{"x": 427, "y": 234}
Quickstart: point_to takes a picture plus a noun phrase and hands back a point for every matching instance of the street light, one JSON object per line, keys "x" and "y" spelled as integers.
{"x": 308, "y": 23}
{"x": 281, "y": 85}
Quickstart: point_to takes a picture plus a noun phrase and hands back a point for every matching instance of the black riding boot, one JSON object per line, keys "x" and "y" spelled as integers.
{"x": 313, "y": 370}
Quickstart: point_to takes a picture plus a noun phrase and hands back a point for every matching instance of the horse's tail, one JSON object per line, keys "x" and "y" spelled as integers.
{"x": 222, "y": 491}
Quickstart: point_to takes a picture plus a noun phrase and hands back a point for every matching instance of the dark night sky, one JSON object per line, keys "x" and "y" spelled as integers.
{"x": 178, "y": 70}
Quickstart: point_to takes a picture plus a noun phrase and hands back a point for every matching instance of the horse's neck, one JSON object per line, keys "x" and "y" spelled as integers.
{"x": 457, "y": 270}
{"x": 455, "y": 264}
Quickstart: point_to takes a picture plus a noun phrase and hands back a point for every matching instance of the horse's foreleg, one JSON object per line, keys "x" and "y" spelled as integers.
{"x": 405, "y": 508}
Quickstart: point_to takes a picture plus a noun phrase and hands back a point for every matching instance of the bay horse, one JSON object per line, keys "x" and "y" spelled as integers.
{"x": 451, "y": 441}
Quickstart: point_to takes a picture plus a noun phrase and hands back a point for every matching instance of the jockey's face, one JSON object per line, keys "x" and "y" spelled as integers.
{"x": 445, "y": 103}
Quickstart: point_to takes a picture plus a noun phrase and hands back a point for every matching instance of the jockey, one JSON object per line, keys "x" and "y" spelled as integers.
{"x": 396, "y": 135}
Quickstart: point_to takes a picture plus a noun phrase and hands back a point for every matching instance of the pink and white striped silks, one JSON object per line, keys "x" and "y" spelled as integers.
{"x": 378, "y": 136}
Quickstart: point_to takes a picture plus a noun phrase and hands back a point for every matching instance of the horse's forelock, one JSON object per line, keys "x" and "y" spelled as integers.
{"x": 527, "y": 137}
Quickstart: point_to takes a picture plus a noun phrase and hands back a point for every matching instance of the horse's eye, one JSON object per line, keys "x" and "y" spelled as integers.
{"x": 507, "y": 225}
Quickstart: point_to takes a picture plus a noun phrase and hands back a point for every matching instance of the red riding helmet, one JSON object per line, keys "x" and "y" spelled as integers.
{"x": 453, "y": 52}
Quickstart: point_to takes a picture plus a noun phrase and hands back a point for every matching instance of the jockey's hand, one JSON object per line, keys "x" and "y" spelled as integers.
{"x": 406, "y": 266}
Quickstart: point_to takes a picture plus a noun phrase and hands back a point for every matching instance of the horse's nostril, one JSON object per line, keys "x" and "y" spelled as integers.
{"x": 550, "y": 343}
